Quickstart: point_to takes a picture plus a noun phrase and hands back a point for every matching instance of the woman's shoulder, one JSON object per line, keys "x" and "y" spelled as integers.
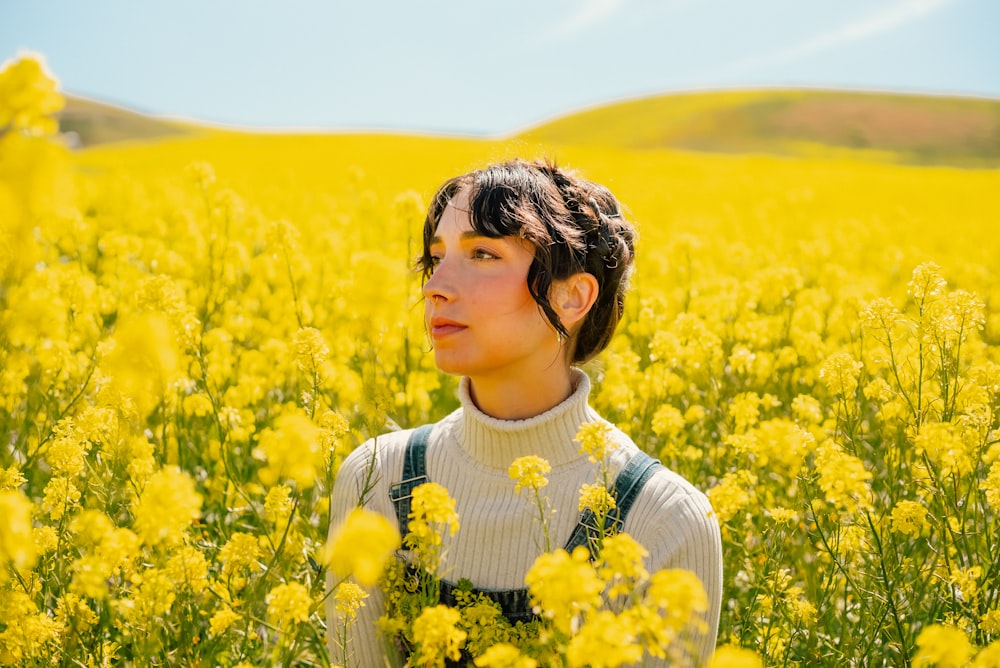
{"x": 666, "y": 495}
{"x": 377, "y": 453}
{"x": 370, "y": 469}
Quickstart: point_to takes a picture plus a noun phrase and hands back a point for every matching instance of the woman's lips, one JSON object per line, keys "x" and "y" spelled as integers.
{"x": 442, "y": 327}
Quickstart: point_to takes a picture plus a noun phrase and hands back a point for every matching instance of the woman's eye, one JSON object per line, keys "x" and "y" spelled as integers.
{"x": 483, "y": 254}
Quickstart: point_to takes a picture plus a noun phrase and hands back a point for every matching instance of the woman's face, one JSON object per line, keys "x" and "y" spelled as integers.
{"x": 479, "y": 313}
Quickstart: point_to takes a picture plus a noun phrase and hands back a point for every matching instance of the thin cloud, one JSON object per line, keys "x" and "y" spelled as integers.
{"x": 877, "y": 23}
{"x": 591, "y": 14}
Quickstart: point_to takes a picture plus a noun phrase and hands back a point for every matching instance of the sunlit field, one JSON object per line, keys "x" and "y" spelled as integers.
{"x": 195, "y": 332}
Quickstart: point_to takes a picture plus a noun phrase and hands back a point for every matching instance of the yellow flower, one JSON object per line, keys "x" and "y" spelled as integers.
{"x": 925, "y": 283}
{"x": 802, "y": 610}
{"x": 118, "y": 548}
{"x": 595, "y": 440}
{"x": 988, "y": 657}
{"x": 144, "y": 360}
{"x": 909, "y": 518}
{"x": 29, "y": 97}
{"x": 188, "y": 567}
{"x": 436, "y": 636}
{"x": 198, "y": 405}
{"x": 288, "y": 604}
{"x": 529, "y": 471}
{"x": 11, "y": 478}
{"x": 278, "y": 505}
{"x": 90, "y": 576}
{"x": 292, "y": 451}
{"x": 605, "y": 641}
{"x": 842, "y": 477}
{"x": 361, "y": 546}
{"x": 167, "y": 507}
{"x": 432, "y": 512}
{"x": 945, "y": 447}
{"x": 991, "y": 486}
{"x": 668, "y": 421}
{"x": 68, "y": 450}
{"x": 942, "y": 646}
{"x": 239, "y": 553}
{"x": 878, "y": 390}
{"x": 731, "y": 495}
{"x": 16, "y": 544}
{"x": 563, "y": 586}
{"x": 990, "y": 622}
{"x": 954, "y": 318}
{"x": 782, "y": 515}
{"x": 222, "y": 620}
{"x": 91, "y": 527}
{"x": 349, "y": 597}
{"x": 504, "y": 655}
{"x": 60, "y": 495}
{"x": 333, "y": 428}
{"x": 621, "y": 564}
{"x": 311, "y": 350}
{"x": 26, "y": 639}
{"x": 680, "y": 595}
{"x": 73, "y": 612}
{"x": 839, "y": 373}
{"x": 881, "y": 317}
{"x": 597, "y": 498}
{"x": 745, "y": 410}
{"x": 729, "y": 656}
{"x": 46, "y": 539}
{"x": 807, "y": 409}
{"x": 852, "y": 541}
{"x": 154, "y": 596}
{"x": 965, "y": 582}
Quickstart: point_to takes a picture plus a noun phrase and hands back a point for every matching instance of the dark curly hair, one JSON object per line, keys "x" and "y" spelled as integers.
{"x": 573, "y": 224}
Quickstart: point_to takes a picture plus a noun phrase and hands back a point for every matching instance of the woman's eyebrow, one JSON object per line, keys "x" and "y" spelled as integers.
{"x": 465, "y": 236}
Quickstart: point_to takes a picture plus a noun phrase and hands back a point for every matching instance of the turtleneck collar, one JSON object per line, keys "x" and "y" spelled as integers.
{"x": 496, "y": 443}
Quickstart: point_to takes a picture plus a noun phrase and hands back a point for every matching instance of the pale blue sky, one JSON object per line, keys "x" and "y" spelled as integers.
{"x": 466, "y": 66}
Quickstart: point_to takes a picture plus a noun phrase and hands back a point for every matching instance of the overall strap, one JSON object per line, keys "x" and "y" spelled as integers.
{"x": 627, "y": 486}
{"x": 414, "y": 475}
{"x": 515, "y": 604}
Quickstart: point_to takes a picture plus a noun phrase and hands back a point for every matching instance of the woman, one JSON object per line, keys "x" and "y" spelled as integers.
{"x": 525, "y": 270}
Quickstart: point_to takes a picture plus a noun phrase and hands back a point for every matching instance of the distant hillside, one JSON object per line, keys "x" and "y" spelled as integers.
{"x": 93, "y": 123}
{"x": 913, "y": 129}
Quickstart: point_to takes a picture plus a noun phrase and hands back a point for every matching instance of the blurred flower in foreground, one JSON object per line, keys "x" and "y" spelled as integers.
{"x": 288, "y": 604}
{"x": 361, "y": 546}
{"x": 16, "y": 546}
{"x": 436, "y": 636}
{"x": 29, "y": 97}
{"x": 292, "y": 450}
{"x": 728, "y": 656}
{"x": 942, "y": 646}
{"x": 167, "y": 507}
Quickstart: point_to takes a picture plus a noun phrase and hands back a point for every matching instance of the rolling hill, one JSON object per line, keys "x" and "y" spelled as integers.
{"x": 912, "y": 129}
{"x": 89, "y": 123}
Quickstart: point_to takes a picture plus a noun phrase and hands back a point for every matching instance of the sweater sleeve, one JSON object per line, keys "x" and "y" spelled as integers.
{"x": 365, "y": 645}
{"x": 674, "y": 521}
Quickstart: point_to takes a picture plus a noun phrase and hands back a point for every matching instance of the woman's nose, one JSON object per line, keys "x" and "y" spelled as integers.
{"x": 438, "y": 285}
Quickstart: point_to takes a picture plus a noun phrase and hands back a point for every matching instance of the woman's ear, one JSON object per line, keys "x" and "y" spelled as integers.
{"x": 573, "y": 297}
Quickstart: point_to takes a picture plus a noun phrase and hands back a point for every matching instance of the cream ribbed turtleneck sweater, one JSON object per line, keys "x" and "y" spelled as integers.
{"x": 500, "y": 536}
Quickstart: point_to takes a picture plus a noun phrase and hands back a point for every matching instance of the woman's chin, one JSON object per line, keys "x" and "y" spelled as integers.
{"x": 448, "y": 365}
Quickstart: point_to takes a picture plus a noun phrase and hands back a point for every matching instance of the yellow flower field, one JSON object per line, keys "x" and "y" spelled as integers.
{"x": 195, "y": 332}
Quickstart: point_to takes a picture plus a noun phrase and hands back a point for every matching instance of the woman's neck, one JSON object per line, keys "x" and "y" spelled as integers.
{"x": 495, "y": 443}
{"x": 521, "y": 399}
